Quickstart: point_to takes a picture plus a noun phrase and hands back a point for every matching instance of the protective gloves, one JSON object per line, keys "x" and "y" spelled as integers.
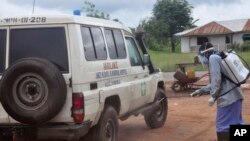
{"x": 196, "y": 93}
{"x": 211, "y": 101}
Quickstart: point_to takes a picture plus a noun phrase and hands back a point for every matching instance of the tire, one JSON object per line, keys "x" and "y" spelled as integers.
{"x": 107, "y": 127}
{"x": 177, "y": 86}
{"x": 156, "y": 118}
{"x": 32, "y": 91}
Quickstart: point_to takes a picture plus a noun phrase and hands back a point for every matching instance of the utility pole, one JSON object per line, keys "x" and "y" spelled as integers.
{"x": 33, "y": 10}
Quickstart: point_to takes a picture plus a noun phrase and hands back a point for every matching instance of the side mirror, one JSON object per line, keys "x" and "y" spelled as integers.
{"x": 146, "y": 59}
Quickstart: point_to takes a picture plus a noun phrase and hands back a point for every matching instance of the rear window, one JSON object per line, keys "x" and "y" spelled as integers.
{"x": 46, "y": 43}
{"x": 2, "y": 49}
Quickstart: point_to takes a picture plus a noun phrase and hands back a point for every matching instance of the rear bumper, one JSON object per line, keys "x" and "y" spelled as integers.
{"x": 51, "y": 131}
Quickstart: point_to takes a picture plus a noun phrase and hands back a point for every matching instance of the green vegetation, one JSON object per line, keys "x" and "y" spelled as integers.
{"x": 245, "y": 56}
{"x": 169, "y": 17}
{"x": 90, "y": 9}
{"x": 245, "y": 46}
{"x": 166, "y": 61}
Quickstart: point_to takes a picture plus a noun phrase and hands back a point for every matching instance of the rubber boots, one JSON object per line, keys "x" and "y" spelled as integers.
{"x": 223, "y": 136}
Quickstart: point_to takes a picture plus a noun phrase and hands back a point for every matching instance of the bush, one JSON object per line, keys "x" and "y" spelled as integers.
{"x": 153, "y": 44}
{"x": 236, "y": 46}
{"x": 245, "y": 46}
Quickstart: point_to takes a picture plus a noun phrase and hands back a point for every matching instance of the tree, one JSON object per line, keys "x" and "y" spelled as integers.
{"x": 176, "y": 14}
{"x": 156, "y": 33}
{"x": 90, "y": 10}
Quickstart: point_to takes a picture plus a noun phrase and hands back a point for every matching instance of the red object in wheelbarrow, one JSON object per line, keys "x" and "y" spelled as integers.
{"x": 184, "y": 82}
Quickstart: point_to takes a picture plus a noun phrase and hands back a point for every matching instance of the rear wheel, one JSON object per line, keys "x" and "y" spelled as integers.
{"x": 107, "y": 127}
{"x": 156, "y": 117}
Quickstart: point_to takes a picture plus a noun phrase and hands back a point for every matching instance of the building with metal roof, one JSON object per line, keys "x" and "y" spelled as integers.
{"x": 222, "y": 34}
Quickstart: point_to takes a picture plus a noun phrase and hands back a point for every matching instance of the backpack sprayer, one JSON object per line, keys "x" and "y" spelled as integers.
{"x": 237, "y": 72}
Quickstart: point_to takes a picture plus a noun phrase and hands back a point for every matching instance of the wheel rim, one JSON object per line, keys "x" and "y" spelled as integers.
{"x": 110, "y": 130}
{"x": 177, "y": 87}
{"x": 159, "y": 113}
{"x": 30, "y": 91}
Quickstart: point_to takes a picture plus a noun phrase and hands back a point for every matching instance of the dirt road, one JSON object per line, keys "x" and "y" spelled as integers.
{"x": 189, "y": 119}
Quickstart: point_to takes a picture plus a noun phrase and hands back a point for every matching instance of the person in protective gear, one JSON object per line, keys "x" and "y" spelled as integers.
{"x": 229, "y": 105}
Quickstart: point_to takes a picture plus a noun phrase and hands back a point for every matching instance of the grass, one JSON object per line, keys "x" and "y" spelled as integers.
{"x": 166, "y": 61}
{"x": 245, "y": 56}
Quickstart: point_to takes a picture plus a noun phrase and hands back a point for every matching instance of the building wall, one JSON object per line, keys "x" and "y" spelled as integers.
{"x": 189, "y": 44}
{"x": 193, "y": 41}
{"x": 218, "y": 41}
{"x": 185, "y": 45}
{"x": 237, "y": 38}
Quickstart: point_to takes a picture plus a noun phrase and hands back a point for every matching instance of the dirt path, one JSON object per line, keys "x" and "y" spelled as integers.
{"x": 189, "y": 119}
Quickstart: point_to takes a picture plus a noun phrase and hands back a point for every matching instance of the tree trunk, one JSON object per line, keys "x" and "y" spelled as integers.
{"x": 172, "y": 40}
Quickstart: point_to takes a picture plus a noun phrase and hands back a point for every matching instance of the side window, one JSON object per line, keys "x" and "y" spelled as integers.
{"x": 134, "y": 55}
{"x": 47, "y": 43}
{"x": 93, "y": 43}
{"x": 111, "y": 44}
{"x": 2, "y": 49}
{"x": 88, "y": 44}
{"x": 120, "y": 43}
{"x": 115, "y": 42}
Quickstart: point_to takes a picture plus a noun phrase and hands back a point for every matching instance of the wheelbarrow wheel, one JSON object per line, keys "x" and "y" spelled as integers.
{"x": 177, "y": 86}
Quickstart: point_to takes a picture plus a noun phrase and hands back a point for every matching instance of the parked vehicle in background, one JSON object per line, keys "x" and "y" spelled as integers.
{"x": 72, "y": 77}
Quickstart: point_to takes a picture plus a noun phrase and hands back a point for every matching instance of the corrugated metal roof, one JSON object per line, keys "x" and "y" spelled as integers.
{"x": 185, "y": 32}
{"x": 218, "y": 27}
{"x": 209, "y": 29}
{"x": 247, "y": 26}
{"x": 234, "y": 25}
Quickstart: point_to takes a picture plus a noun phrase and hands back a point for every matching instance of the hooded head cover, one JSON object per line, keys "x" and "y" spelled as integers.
{"x": 205, "y": 51}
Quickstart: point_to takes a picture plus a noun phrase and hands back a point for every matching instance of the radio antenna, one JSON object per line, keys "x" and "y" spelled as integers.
{"x": 33, "y": 9}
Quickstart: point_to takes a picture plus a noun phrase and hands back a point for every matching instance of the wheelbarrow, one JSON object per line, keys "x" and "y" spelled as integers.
{"x": 186, "y": 83}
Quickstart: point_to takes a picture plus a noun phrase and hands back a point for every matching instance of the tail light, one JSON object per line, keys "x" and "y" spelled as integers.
{"x": 78, "y": 107}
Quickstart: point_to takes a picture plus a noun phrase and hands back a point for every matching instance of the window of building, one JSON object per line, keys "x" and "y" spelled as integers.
{"x": 227, "y": 40}
{"x": 115, "y": 43}
{"x": 2, "y": 49}
{"x": 246, "y": 37}
{"x": 201, "y": 40}
{"x": 93, "y": 43}
{"x": 46, "y": 43}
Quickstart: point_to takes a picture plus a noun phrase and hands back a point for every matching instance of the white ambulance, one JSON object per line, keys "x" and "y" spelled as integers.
{"x": 73, "y": 77}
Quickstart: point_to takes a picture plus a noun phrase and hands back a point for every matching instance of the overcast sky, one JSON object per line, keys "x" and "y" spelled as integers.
{"x": 130, "y": 12}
